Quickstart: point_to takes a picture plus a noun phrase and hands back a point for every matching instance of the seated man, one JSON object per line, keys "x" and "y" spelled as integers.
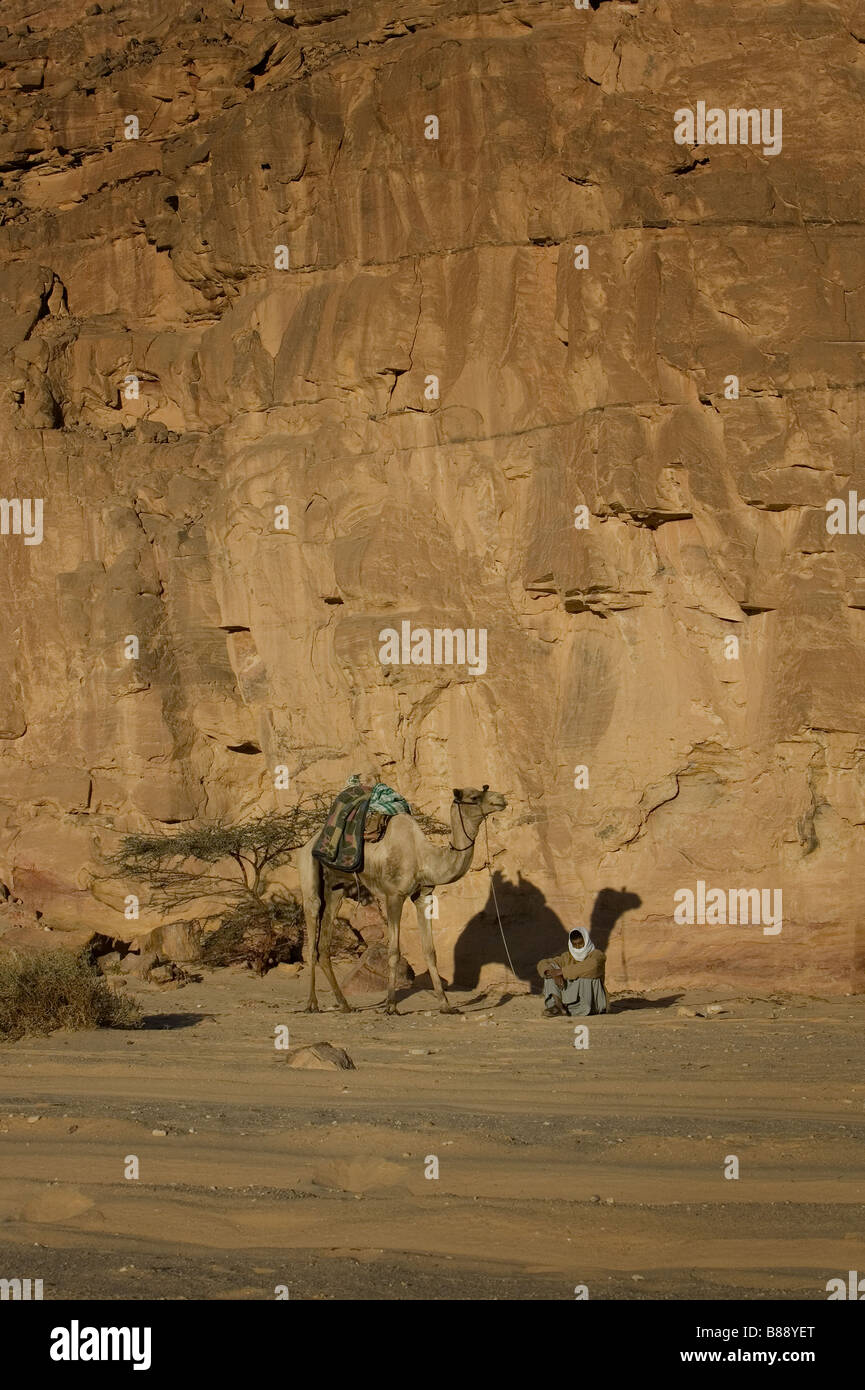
{"x": 574, "y": 981}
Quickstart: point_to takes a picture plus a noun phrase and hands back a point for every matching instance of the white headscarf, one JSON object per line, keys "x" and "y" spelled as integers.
{"x": 580, "y": 952}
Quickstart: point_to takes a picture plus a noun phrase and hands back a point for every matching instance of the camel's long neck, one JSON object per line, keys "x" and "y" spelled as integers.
{"x": 451, "y": 864}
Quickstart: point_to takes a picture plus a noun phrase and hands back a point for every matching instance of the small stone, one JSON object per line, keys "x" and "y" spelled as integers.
{"x": 159, "y": 1133}
{"x": 320, "y": 1056}
{"x": 140, "y": 965}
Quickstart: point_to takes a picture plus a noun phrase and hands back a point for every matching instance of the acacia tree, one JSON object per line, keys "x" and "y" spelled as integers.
{"x": 227, "y": 871}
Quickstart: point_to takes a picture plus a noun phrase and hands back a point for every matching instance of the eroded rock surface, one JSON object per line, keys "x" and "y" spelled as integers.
{"x": 166, "y": 390}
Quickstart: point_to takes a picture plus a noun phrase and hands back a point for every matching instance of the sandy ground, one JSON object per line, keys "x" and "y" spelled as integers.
{"x": 558, "y": 1167}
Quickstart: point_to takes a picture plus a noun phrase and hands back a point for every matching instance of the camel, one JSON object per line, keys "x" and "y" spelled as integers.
{"x": 403, "y": 864}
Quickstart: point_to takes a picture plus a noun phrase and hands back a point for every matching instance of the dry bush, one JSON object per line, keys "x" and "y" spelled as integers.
{"x": 260, "y": 935}
{"x": 54, "y": 989}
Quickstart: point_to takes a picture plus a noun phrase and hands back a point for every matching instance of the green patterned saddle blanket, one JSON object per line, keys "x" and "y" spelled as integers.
{"x": 355, "y": 812}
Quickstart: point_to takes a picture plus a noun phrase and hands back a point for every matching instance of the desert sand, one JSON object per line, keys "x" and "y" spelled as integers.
{"x": 558, "y": 1167}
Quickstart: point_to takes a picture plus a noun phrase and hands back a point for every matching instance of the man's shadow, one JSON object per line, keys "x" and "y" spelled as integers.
{"x": 532, "y": 930}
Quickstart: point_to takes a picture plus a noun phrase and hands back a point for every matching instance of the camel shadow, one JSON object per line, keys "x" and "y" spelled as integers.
{"x": 532, "y": 930}
{"x": 610, "y": 905}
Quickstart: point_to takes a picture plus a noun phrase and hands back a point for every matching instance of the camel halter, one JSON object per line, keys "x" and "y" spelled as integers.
{"x": 471, "y": 842}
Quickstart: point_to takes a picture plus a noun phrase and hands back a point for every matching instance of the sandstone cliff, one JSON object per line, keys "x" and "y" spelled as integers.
{"x": 217, "y": 349}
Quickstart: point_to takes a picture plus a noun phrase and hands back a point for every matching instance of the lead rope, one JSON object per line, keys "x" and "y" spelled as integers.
{"x": 496, "y": 904}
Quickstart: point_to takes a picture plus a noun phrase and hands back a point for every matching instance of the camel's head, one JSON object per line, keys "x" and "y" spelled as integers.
{"x": 479, "y": 798}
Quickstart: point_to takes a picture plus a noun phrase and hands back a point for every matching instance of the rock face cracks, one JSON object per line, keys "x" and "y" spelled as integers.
{"x": 290, "y": 363}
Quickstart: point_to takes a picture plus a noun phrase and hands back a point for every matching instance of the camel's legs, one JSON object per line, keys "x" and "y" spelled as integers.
{"x": 333, "y": 898}
{"x": 312, "y": 1002}
{"x": 429, "y": 950}
{"x": 394, "y": 902}
{"x": 312, "y": 915}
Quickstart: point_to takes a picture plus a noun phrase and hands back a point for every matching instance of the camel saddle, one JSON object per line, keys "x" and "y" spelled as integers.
{"x": 357, "y": 817}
